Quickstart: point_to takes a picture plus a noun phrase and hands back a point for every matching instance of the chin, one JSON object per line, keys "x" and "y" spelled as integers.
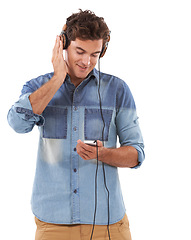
{"x": 83, "y": 75}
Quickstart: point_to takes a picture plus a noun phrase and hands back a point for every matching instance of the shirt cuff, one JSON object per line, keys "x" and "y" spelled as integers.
{"x": 23, "y": 107}
{"x": 141, "y": 156}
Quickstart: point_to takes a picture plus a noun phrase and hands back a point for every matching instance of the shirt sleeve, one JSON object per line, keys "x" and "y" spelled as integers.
{"x": 127, "y": 123}
{"x": 21, "y": 117}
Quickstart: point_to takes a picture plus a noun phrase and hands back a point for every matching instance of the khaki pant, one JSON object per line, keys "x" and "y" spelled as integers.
{"x": 48, "y": 231}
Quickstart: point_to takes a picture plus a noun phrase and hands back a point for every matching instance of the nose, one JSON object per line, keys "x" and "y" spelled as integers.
{"x": 86, "y": 60}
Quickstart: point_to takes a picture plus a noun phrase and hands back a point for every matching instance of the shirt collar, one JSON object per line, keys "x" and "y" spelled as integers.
{"x": 94, "y": 73}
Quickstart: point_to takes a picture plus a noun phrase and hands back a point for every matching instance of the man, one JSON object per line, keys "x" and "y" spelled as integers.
{"x": 76, "y": 185}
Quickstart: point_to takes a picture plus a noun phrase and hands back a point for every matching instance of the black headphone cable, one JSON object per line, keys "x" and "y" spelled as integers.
{"x": 95, "y": 193}
{"x": 103, "y": 166}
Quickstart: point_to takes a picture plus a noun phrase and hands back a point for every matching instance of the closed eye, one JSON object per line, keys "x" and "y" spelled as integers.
{"x": 95, "y": 55}
{"x": 80, "y": 53}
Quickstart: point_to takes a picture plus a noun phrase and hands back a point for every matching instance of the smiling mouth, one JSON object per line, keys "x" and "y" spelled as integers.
{"x": 82, "y": 67}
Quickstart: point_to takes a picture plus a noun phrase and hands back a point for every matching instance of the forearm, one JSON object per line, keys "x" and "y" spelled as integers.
{"x": 126, "y": 156}
{"x": 42, "y": 96}
{"x": 21, "y": 117}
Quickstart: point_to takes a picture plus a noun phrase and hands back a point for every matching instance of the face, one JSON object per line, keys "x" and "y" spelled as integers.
{"x": 81, "y": 57}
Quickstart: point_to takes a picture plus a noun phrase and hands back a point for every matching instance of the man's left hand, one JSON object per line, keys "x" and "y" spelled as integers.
{"x": 88, "y": 152}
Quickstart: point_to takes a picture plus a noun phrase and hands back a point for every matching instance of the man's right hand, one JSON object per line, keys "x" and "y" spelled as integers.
{"x": 59, "y": 64}
{"x": 43, "y": 95}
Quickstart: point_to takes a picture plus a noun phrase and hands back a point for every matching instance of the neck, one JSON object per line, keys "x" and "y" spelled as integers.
{"x": 76, "y": 81}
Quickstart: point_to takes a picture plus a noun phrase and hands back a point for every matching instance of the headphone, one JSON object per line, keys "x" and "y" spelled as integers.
{"x": 65, "y": 41}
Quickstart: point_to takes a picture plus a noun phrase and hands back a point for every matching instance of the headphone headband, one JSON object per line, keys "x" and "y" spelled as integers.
{"x": 65, "y": 41}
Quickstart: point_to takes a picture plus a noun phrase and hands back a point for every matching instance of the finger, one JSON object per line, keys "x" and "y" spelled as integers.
{"x": 81, "y": 150}
{"x": 99, "y": 143}
{"x": 56, "y": 42}
{"x": 88, "y": 148}
{"x": 55, "y": 51}
{"x": 61, "y": 48}
{"x": 84, "y": 151}
{"x": 84, "y": 145}
{"x": 56, "y": 46}
{"x": 85, "y": 156}
{"x": 81, "y": 146}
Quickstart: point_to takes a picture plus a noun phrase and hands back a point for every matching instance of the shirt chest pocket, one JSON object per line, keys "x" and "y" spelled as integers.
{"x": 94, "y": 124}
{"x": 55, "y": 122}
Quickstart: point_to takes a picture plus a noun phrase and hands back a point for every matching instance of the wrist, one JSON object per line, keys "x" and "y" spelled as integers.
{"x": 104, "y": 154}
{"x": 59, "y": 77}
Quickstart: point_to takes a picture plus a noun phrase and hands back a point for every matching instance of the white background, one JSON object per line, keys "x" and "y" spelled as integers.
{"x": 150, "y": 49}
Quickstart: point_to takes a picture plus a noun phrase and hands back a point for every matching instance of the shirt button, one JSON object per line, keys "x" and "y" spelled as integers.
{"x": 75, "y": 128}
{"x": 75, "y": 108}
{"x": 18, "y": 109}
{"x": 74, "y": 149}
{"x": 75, "y": 191}
{"x": 75, "y": 170}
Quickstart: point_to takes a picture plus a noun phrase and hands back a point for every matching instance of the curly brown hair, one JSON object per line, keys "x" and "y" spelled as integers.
{"x": 86, "y": 26}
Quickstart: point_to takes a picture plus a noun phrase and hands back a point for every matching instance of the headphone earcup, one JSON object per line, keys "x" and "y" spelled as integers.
{"x": 64, "y": 39}
{"x": 103, "y": 51}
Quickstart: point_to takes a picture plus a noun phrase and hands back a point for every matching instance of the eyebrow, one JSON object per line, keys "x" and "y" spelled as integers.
{"x": 81, "y": 49}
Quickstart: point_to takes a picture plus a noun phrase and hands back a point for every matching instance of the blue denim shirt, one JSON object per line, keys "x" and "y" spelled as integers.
{"x": 64, "y": 184}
